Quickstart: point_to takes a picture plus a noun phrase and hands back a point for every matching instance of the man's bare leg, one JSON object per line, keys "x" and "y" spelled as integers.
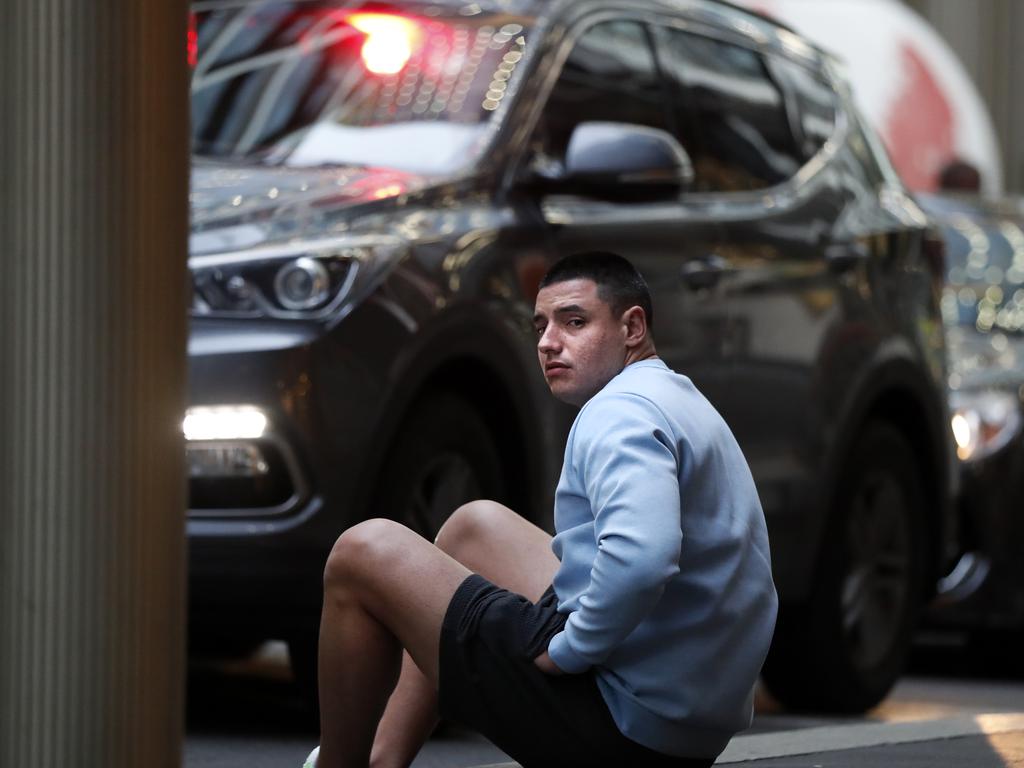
{"x": 501, "y": 546}
{"x": 385, "y": 588}
{"x": 492, "y": 540}
{"x": 409, "y": 719}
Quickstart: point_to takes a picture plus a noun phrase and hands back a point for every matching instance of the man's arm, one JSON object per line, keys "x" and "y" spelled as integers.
{"x": 627, "y": 460}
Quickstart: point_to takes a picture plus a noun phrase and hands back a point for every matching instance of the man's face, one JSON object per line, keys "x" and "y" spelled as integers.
{"x": 581, "y": 345}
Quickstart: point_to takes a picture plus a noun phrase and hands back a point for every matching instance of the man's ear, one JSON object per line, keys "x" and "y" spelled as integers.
{"x": 634, "y": 320}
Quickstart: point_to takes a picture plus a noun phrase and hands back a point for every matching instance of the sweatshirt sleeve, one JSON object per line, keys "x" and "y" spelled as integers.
{"x": 629, "y": 469}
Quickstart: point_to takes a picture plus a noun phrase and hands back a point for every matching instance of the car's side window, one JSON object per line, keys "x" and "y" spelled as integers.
{"x": 816, "y": 102}
{"x": 731, "y": 114}
{"x": 610, "y": 75}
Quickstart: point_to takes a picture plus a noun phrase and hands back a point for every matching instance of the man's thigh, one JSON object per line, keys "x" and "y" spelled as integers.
{"x": 403, "y": 581}
{"x": 506, "y": 549}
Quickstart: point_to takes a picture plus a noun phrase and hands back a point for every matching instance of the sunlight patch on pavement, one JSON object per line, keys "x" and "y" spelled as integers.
{"x": 1009, "y": 749}
{"x": 269, "y": 661}
{"x": 891, "y": 711}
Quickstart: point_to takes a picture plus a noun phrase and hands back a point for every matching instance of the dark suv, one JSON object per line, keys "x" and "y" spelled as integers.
{"x": 377, "y": 189}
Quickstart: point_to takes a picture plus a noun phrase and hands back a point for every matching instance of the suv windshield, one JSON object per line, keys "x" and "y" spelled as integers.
{"x": 332, "y": 83}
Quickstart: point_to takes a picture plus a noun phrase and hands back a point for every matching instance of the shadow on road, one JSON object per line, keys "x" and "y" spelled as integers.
{"x": 249, "y": 696}
{"x": 256, "y": 697}
{"x": 985, "y": 656}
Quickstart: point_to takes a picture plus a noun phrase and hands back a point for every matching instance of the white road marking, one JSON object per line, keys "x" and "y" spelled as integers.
{"x": 833, "y": 738}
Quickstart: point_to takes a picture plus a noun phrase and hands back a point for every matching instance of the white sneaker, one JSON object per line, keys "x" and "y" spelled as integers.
{"x": 311, "y": 760}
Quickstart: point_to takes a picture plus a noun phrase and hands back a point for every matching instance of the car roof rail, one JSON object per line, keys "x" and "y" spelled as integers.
{"x": 760, "y": 15}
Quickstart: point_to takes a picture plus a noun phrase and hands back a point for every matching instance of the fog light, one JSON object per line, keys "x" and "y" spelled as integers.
{"x": 984, "y": 422}
{"x": 226, "y": 422}
{"x": 219, "y": 460}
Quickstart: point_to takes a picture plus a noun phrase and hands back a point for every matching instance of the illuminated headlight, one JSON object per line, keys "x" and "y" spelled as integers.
{"x": 983, "y": 422}
{"x": 301, "y": 280}
{"x": 226, "y": 422}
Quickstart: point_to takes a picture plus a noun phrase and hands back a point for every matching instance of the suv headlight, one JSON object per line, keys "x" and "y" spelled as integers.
{"x": 298, "y": 281}
{"x": 983, "y": 422}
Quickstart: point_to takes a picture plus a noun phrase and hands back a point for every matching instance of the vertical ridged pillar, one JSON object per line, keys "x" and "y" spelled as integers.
{"x": 94, "y": 135}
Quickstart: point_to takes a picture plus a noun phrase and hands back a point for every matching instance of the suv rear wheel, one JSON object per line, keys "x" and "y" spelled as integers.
{"x": 845, "y": 648}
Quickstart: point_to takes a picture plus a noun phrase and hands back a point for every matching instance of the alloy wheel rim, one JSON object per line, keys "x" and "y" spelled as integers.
{"x": 442, "y": 485}
{"x": 875, "y": 590}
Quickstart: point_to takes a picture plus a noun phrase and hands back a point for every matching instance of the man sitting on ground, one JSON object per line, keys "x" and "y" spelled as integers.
{"x": 632, "y": 638}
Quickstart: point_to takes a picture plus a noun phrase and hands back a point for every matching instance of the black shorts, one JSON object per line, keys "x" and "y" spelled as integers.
{"x": 488, "y": 682}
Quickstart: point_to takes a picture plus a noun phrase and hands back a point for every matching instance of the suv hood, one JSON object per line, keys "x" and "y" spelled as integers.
{"x": 242, "y": 206}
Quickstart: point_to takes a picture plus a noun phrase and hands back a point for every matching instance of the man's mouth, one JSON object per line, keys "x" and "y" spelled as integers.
{"x": 554, "y": 368}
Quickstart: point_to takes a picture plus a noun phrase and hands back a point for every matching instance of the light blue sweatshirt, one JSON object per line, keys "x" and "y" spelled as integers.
{"x": 665, "y": 570}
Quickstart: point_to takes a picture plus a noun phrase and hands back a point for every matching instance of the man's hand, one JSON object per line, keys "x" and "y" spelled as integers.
{"x": 546, "y": 665}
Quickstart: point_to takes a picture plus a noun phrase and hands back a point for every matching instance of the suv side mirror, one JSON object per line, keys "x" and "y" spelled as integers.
{"x": 626, "y": 158}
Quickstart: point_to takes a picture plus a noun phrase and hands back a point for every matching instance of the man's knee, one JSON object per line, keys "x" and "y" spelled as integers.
{"x": 469, "y": 526}
{"x": 361, "y": 551}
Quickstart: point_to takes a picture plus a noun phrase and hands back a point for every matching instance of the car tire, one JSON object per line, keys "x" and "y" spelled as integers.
{"x": 443, "y": 456}
{"x": 843, "y": 649}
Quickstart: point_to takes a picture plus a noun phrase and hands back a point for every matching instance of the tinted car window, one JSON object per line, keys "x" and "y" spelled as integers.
{"x": 815, "y": 101}
{"x": 731, "y": 114}
{"x": 610, "y": 75}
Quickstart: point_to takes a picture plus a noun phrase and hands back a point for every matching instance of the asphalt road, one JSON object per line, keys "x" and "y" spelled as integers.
{"x": 955, "y": 708}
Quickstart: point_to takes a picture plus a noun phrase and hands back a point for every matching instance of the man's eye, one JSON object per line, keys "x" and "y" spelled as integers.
{"x": 539, "y": 330}
{"x": 576, "y": 322}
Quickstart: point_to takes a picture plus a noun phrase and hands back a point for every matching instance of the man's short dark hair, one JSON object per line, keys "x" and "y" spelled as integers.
{"x": 619, "y": 284}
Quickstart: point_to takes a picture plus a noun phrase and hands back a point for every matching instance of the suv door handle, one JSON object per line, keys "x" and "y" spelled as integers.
{"x": 704, "y": 271}
{"x": 842, "y": 257}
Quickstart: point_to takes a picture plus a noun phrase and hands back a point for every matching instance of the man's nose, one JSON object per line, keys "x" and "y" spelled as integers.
{"x": 548, "y": 341}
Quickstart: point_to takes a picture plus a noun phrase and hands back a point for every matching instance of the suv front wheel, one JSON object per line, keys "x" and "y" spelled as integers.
{"x": 843, "y": 650}
{"x": 444, "y": 456}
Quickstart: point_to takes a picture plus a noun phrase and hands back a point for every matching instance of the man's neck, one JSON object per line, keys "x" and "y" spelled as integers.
{"x": 645, "y": 351}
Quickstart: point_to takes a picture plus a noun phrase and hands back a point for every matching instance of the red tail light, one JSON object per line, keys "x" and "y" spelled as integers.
{"x": 192, "y": 41}
{"x": 390, "y": 41}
